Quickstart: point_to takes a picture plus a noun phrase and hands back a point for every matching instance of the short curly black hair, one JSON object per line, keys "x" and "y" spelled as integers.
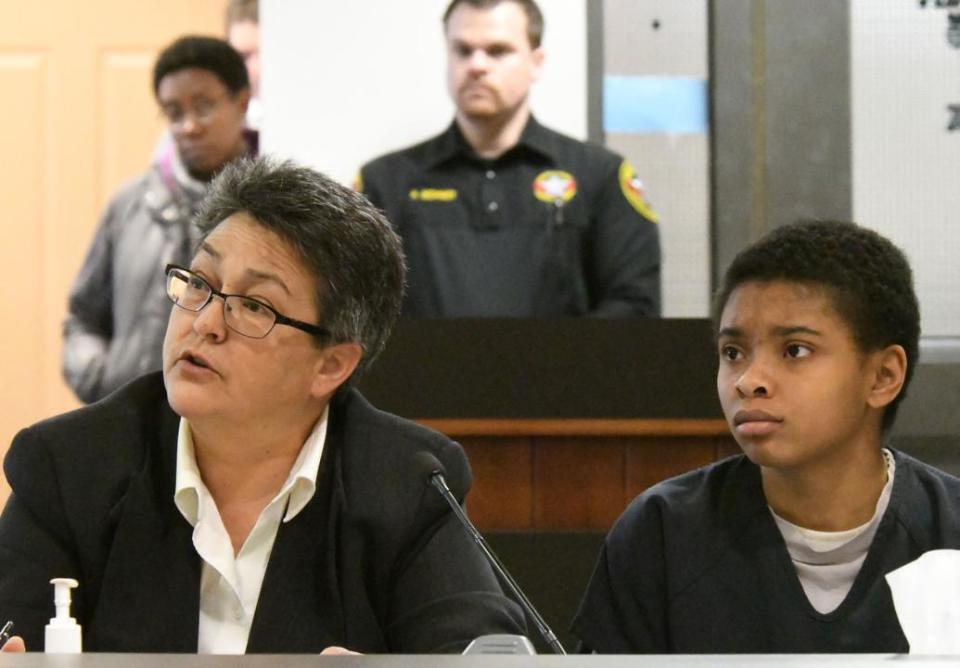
{"x": 205, "y": 53}
{"x": 867, "y": 277}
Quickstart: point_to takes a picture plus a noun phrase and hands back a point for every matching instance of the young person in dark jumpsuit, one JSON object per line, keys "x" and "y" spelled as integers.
{"x": 785, "y": 548}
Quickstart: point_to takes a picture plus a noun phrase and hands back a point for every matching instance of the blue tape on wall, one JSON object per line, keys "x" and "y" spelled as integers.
{"x": 643, "y": 104}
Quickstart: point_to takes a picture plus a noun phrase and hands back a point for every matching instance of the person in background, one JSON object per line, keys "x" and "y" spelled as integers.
{"x": 785, "y": 547}
{"x": 243, "y": 34}
{"x": 117, "y": 308}
{"x": 501, "y": 216}
{"x": 247, "y": 499}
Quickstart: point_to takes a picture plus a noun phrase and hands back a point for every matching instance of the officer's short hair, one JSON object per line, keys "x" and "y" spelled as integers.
{"x": 205, "y": 53}
{"x": 346, "y": 244}
{"x": 867, "y": 278}
{"x": 529, "y": 7}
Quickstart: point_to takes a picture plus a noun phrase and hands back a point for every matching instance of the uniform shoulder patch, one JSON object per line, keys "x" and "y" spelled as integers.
{"x": 554, "y": 185}
{"x": 633, "y": 190}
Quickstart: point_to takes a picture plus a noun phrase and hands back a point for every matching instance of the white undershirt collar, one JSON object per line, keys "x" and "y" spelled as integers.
{"x": 827, "y": 562}
{"x": 230, "y": 584}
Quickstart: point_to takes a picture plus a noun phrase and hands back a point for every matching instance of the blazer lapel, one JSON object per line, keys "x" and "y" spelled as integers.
{"x": 299, "y": 608}
{"x": 150, "y": 595}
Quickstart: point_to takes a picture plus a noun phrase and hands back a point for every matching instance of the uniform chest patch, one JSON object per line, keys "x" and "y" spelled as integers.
{"x": 433, "y": 194}
{"x": 554, "y": 185}
{"x": 633, "y": 190}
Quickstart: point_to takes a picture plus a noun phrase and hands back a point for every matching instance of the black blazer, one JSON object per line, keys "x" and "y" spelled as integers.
{"x": 374, "y": 562}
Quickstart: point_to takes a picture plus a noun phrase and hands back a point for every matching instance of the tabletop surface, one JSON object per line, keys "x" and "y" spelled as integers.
{"x": 39, "y": 660}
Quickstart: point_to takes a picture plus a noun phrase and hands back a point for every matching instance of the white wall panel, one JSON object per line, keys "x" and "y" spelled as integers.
{"x": 345, "y": 82}
{"x": 906, "y": 162}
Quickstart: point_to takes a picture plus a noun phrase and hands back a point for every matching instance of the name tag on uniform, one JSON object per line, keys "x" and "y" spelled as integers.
{"x": 433, "y": 194}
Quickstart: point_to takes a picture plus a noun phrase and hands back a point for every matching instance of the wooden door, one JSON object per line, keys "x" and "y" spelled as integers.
{"x": 77, "y": 119}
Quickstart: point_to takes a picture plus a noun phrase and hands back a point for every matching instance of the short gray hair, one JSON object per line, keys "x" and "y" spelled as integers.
{"x": 347, "y": 245}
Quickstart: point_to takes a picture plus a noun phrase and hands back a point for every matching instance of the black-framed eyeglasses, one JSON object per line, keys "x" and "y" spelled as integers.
{"x": 244, "y": 315}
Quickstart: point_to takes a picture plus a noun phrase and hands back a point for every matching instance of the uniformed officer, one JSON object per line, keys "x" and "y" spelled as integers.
{"x": 501, "y": 216}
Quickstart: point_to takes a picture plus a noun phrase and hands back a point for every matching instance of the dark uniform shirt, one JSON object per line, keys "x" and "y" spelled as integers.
{"x": 697, "y": 565}
{"x": 554, "y": 226}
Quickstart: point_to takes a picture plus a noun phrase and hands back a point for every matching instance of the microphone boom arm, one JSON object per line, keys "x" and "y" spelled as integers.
{"x": 437, "y": 480}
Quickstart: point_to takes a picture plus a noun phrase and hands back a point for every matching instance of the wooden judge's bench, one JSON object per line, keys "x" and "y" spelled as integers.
{"x": 564, "y": 420}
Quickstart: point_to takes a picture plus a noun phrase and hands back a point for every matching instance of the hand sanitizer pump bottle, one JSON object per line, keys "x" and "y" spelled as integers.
{"x": 62, "y": 634}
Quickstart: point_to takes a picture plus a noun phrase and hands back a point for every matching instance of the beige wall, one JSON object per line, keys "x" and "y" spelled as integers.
{"x": 77, "y": 119}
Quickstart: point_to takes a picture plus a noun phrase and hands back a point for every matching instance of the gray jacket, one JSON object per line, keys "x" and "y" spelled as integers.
{"x": 118, "y": 307}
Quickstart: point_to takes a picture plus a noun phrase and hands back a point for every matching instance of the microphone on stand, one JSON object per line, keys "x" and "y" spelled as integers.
{"x": 434, "y": 472}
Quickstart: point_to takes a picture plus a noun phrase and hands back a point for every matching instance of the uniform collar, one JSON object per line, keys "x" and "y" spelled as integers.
{"x": 452, "y": 144}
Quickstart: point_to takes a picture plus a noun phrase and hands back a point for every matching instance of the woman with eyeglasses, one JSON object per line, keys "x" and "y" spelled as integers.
{"x": 247, "y": 498}
{"x": 117, "y": 310}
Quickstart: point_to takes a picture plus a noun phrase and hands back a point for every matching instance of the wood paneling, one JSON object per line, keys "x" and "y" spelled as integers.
{"x": 128, "y": 121}
{"x": 576, "y": 427}
{"x": 726, "y": 447}
{"x": 502, "y": 495}
{"x": 23, "y": 78}
{"x": 578, "y": 483}
{"x": 550, "y": 482}
{"x": 651, "y": 460}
